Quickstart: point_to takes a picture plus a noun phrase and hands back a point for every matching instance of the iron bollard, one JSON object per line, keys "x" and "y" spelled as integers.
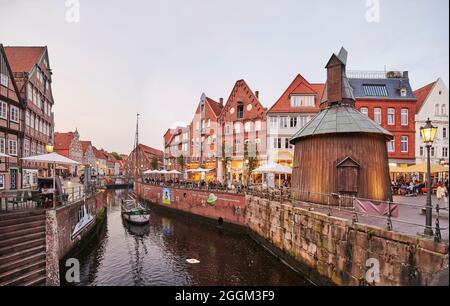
{"x": 437, "y": 234}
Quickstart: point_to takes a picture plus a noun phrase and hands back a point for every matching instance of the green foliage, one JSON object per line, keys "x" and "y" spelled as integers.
{"x": 250, "y": 155}
{"x": 181, "y": 161}
{"x": 101, "y": 215}
{"x": 116, "y": 155}
{"x": 154, "y": 163}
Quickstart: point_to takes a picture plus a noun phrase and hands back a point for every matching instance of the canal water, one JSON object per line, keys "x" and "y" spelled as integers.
{"x": 155, "y": 254}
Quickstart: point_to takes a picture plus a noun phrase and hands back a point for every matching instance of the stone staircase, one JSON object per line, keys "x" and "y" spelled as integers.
{"x": 22, "y": 248}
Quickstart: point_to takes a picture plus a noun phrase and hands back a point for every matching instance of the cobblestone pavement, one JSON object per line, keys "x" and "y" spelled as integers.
{"x": 411, "y": 219}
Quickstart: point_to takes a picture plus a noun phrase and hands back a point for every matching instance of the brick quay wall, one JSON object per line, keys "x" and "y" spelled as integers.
{"x": 325, "y": 249}
{"x": 60, "y": 226}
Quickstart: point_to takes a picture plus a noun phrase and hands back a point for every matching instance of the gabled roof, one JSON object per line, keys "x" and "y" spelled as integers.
{"x": 298, "y": 86}
{"x": 22, "y": 59}
{"x": 422, "y": 95}
{"x": 85, "y": 145}
{"x": 252, "y": 96}
{"x": 8, "y": 66}
{"x": 215, "y": 106}
{"x": 150, "y": 150}
{"x": 63, "y": 140}
{"x": 99, "y": 153}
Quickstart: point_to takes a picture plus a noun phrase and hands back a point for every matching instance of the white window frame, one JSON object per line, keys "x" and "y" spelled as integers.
{"x": 2, "y": 145}
{"x": 14, "y": 114}
{"x": 389, "y": 144}
{"x": 248, "y": 126}
{"x": 377, "y": 115}
{"x": 12, "y": 147}
{"x": 3, "y": 110}
{"x": 391, "y": 114}
{"x": 4, "y": 80}
{"x": 404, "y": 115}
{"x": 403, "y": 140}
{"x": 258, "y": 125}
{"x": 364, "y": 111}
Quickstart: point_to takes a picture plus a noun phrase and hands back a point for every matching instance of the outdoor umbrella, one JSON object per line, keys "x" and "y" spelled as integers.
{"x": 395, "y": 169}
{"x": 55, "y": 159}
{"x": 422, "y": 168}
{"x": 275, "y": 169}
{"x": 5, "y": 155}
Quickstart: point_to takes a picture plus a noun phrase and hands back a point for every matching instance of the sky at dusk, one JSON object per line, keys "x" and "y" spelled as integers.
{"x": 157, "y": 57}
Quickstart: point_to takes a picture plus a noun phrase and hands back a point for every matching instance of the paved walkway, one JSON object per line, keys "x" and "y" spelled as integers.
{"x": 410, "y": 221}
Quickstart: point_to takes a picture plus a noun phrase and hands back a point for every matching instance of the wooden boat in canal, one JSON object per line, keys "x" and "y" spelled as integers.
{"x": 132, "y": 210}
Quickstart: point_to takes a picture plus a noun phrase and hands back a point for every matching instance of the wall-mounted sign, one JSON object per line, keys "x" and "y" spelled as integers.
{"x": 166, "y": 196}
{"x": 212, "y": 199}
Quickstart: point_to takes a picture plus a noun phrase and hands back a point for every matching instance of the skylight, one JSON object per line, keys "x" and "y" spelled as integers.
{"x": 375, "y": 90}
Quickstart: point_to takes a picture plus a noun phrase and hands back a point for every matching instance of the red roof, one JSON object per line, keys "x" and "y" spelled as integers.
{"x": 85, "y": 145}
{"x": 216, "y": 107}
{"x": 422, "y": 94}
{"x": 99, "y": 153}
{"x": 22, "y": 59}
{"x": 63, "y": 140}
{"x": 298, "y": 86}
{"x": 147, "y": 149}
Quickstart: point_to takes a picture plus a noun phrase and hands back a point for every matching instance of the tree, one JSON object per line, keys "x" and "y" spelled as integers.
{"x": 250, "y": 158}
{"x": 225, "y": 160}
{"x": 116, "y": 155}
{"x": 154, "y": 163}
{"x": 181, "y": 162}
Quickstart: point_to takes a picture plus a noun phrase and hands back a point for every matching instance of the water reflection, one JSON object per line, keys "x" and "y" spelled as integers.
{"x": 155, "y": 254}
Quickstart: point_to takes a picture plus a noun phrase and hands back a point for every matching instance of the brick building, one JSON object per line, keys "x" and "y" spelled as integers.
{"x": 296, "y": 107}
{"x": 146, "y": 157}
{"x": 243, "y": 127}
{"x": 387, "y": 98}
{"x": 69, "y": 145}
{"x": 177, "y": 145}
{"x": 11, "y": 124}
{"x": 205, "y": 132}
{"x": 33, "y": 76}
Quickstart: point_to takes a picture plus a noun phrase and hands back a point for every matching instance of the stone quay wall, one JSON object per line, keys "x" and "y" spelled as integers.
{"x": 324, "y": 248}
{"x": 60, "y": 224}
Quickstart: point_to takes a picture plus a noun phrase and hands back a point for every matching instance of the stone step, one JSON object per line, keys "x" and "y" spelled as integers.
{"x": 21, "y": 226}
{"x": 32, "y": 276}
{"x": 22, "y": 274}
{"x": 21, "y": 220}
{"x": 21, "y": 262}
{"x": 21, "y": 243}
{"x": 21, "y": 254}
{"x": 31, "y": 230}
{"x": 22, "y": 214}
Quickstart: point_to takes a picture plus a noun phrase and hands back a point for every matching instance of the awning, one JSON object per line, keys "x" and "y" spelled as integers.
{"x": 422, "y": 168}
{"x": 273, "y": 168}
{"x": 51, "y": 158}
{"x": 199, "y": 170}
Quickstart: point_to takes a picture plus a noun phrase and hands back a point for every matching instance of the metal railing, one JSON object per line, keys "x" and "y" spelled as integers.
{"x": 343, "y": 206}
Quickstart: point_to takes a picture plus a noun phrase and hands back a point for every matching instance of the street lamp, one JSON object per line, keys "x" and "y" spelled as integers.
{"x": 428, "y": 134}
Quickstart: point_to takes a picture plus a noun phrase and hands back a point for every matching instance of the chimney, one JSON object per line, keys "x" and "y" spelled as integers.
{"x": 221, "y": 101}
{"x": 257, "y": 94}
{"x": 405, "y": 75}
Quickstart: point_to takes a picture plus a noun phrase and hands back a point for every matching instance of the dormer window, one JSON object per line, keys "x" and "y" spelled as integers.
{"x": 403, "y": 92}
{"x": 302, "y": 100}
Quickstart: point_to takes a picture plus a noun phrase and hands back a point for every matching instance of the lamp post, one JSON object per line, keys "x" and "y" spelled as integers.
{"x": 49, "y": 149}
{"x": 428, "y": 134}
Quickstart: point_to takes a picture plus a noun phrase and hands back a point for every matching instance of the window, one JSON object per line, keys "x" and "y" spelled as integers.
{"x": 403, "y": 92}
{"x": 273, "y": 122}
{"x": 375, "y": 90}
{"x": 444, "y": 152}
{"x": 436, "y": 110}
{"x": 276, "y": 143}
{"x": 2, "y": 145}
{"x": 443, "y": 110}
{"x": 237, "y": 145}
{"x": 391, "y": 116}
{"x": 293, "y": 122}
{"x": 286, "y": 143}
{"x": 2, "y": 182}
{"x": 3, "y": 110}
{"x": 258, "y": 125}
{"x": 240, "y": 110}
{"x": 444, "y": 132}
{"x": 14, "y": 114}
{"x": 208, "y": 123}
{"x": 432, "y": 151}
{"x": 4, "y": 80}
{"x": 404, "y": 116}
{"x": 297, "y": 101}
{"x": 421, "y": 151}
{"x": 364, "y": 111}
{"x": 29, "y": 92}
{"x": 203, "y": 123}
{"x": 197, "y": 125}
{"x": 237, "y": 127}
{"x": 404, "y": 144}
{"x": 26, "y": 147}
{"x": 283, "y": 122}
{"x": 377, "y": 115}
{"x": 27, "y": 118}
{"x": 391, "y": 146}
{"x": 227, "y": 129}
{"x": 12, "y": 146}
{"x": 248, "y": 126}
